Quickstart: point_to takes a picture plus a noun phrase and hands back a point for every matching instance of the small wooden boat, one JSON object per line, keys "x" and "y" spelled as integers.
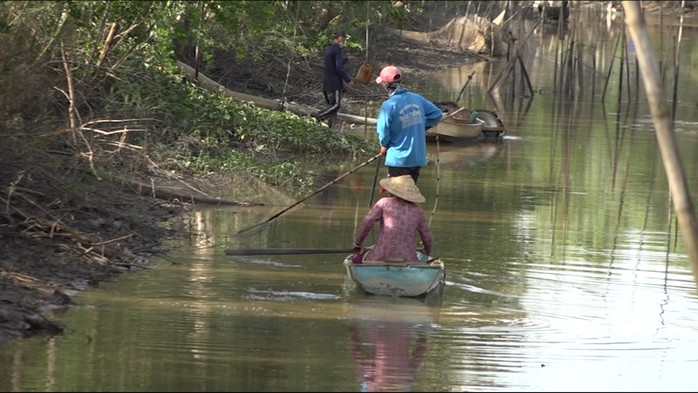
{"x": 398, "y": 279}
{"x": 455, "y": 128}
{"x": 466, "y": 125}
{"x": 492, "y": 126}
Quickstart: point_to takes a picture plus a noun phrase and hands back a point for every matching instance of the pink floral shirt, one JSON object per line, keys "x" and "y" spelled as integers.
{"x": 400, "y": 221}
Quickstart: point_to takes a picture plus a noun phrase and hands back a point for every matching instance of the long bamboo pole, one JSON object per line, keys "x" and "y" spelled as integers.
{"x": 286, "y": 251}
{"x": 257, "y": 227}
{"x": 664, "y": 129}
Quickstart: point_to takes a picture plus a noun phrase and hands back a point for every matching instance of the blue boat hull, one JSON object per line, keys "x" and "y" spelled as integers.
{"x": 398, "y": 279}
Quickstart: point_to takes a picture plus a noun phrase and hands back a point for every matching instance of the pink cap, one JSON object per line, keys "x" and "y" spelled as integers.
{"x": 389, "y": 74}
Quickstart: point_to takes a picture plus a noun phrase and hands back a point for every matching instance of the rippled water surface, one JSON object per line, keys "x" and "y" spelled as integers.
{"x": 565, "y": 272}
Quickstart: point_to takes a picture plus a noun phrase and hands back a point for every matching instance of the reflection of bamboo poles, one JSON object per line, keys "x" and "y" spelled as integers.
{"x": 610, "y": 69}
{"x": 560, "y": 49}
{"x": 569, "y": 66}
{"x": 593, "y": 75}
{"x": 570, "y": 55}
{"x": 616, "y": 149}
{"x": 637, "y": 80}
{"x": 665, "y": 135}
{"x": 557, "y": 70}
{"x": 661, "y": 40}
{"x": 622, "y": 61}
{"x": 578, "y": 65}
{"x": 621, "y": 200}
{"x": 676, "y": 66}
{"x": 566, "y": 164}
{"x": 574, "y": 66}
{"x": 648, "y": 203}
{"x": 627, "y": 65}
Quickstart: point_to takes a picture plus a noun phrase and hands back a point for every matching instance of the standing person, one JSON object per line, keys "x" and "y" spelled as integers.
{"x": 401, "y": 125}
{"x": 334, "y": 78}
{"x": 401, "y": 219}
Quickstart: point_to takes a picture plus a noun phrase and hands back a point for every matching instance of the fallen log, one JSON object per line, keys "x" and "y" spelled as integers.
{"x": 266, "y": 103}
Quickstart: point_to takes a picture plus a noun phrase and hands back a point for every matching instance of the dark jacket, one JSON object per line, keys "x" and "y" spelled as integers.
{"x": 335, "y": 75}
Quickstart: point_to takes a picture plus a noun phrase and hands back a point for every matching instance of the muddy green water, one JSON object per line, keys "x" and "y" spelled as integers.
{"x": 565, "y": 270}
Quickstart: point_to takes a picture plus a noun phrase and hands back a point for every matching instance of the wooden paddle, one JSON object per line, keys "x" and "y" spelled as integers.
{"x": 252, "y": 229}
{"x": 284, "y": 251}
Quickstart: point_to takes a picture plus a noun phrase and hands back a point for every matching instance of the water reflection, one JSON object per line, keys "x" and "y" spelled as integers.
{"x": 388, "y": 340}
{"x": 463, "y": 155}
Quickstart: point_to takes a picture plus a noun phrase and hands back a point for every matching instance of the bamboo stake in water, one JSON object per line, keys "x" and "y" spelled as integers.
{"x": 664, "y": 129}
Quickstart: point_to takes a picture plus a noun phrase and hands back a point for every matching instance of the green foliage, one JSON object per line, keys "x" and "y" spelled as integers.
{"x": 211, "y": 132}
{"x": 212, "y": 117}
{"x": 133, "y": 74}
{"x": 292, "y": 176}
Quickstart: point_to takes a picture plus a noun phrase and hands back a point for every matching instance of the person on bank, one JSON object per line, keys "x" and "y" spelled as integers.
{"x": 334, "y": 78}
{"x": 401, "y": 125}
{"x": 401, "y": 220}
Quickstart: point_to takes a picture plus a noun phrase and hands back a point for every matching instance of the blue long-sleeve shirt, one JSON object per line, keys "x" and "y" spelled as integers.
{"x": 401, "y": 127}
